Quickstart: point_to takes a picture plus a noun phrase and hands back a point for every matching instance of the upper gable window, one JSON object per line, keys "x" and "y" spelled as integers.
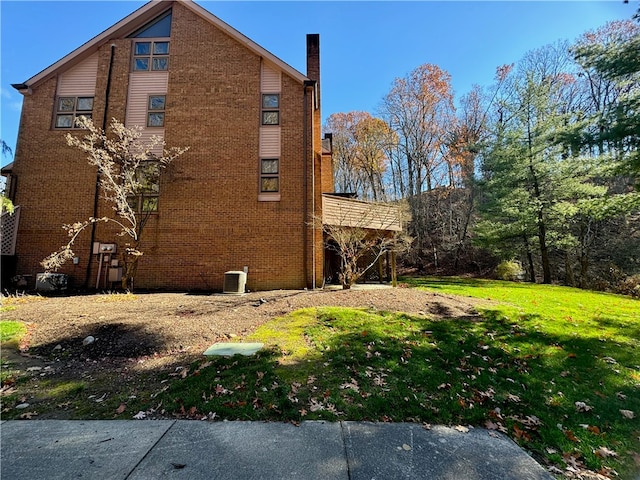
{"x": 158, "y": 28}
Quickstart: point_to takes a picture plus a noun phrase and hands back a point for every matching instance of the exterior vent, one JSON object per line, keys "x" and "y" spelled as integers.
{"x": 234, "y": 282}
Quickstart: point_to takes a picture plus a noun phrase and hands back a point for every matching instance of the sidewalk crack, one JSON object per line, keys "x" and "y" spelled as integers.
{"x": 346, "y": 438}
{"x": 150, "y": 449}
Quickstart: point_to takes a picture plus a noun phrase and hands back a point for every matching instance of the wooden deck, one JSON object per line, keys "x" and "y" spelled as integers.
{"x": 360, "y": 214}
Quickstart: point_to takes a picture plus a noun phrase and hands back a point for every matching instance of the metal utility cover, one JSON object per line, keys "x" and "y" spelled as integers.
{"x": 230, "y": 349}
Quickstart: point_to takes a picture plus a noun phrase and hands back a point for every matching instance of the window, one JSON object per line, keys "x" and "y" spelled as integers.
{"x": 145, "y": 188}
{"x": 150, "y": 56}
{"x": 68, "y": 109}
{"x": 155, "y": 111}
{"x": 270, "y": 109}
{"x": 269, "y": 175}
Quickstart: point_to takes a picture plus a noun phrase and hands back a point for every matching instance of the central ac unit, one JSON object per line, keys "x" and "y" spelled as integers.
{"x": 234, "y": 282}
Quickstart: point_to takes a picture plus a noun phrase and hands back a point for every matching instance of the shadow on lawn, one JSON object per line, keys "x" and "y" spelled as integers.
{"x": 110, "y": 340}
{"x": 453, "y": 372}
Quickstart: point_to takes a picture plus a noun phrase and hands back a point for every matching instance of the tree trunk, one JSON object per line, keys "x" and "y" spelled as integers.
{"x": 532, "y": 272}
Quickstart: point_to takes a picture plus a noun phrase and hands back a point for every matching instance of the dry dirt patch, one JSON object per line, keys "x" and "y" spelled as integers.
{"x": 143, "y": 340}
{"x": 132, "y": 326}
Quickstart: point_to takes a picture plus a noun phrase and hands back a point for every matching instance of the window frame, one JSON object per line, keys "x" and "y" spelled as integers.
{"x": 269, "y": 175}
{"x": 268, "y": 110}
{"x": 73, "y": 112}
{"x": 156, "y": 111}
{"x": 151, "y": 55}
{"x": 145, "y": 194}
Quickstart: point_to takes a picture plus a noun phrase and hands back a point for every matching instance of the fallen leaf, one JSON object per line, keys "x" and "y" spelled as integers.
{"x": 593, "y": 429}
{"x": 121, "y": 408}
{"x": 604, "y": 452}
{"x": 569, "y": 434}
{"x": 519, "y": 433}
{"x": 627, "y": 414}
{"x": 489, "y": 425}
{"x": 28, "y": 415}
{"x": 621, "y": 396}
{"x": 599, "y": 394}
{"x": 513, "y": 398}
{"x": 406, "y": 447}
{"x": 140, "y": 415}
{"x": 461, "y": 428}
{"x": 582, "y": 407}
{"x": 315, "y": 406}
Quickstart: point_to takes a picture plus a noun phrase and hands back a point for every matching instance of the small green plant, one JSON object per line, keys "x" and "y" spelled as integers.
{"x": 510, "y": 270}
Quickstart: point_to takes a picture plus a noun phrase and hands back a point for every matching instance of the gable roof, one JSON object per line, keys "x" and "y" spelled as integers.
{"x": 138, "y": 19}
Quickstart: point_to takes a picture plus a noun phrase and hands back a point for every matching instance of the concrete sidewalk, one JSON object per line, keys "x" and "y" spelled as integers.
{"x": 153, "y": 449}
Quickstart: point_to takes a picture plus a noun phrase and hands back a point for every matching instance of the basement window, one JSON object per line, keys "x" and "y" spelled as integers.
{"x": 68, "y": 109}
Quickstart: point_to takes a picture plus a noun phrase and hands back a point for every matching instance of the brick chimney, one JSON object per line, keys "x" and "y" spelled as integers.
{"x": 313, "y": 60}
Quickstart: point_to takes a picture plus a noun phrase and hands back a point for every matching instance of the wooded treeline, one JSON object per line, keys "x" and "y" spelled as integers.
{"x": 541, "y": 168}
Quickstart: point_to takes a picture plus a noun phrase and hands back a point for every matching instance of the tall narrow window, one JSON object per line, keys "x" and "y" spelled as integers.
{"x": 270, "y": 109}
{"x": 155, "y": 111}
{"x": 145, "y": 188}
{"x": 269, "y": 175}
{"x": 68, "y": 109}
{"x": 150, "y": 55}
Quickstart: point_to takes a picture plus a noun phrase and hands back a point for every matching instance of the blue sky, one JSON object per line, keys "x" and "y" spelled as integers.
{"x": 364, "y": 45}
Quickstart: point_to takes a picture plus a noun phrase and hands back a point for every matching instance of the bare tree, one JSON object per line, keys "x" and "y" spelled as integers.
{"x": 129, "y": 173}
{"x": 359, "y": 145}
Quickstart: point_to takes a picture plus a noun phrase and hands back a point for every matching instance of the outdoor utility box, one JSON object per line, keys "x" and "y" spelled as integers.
{"x": 234, "y": 282}
{"x": 51, "y": 282}
{"x": 115, "y": 274}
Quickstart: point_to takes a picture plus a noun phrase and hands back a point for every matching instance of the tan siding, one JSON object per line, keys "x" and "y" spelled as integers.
{"x": 356, "y": 213}
{"x": 141, "y": 85}
{"x": 80, "y": 80}
{"x": 271, "y": 79}
{"x": 270, "y": 142}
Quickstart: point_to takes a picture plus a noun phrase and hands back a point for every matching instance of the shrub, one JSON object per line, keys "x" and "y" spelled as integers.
{"x": 629, "y": 286}
{"x": 510, "y": 270}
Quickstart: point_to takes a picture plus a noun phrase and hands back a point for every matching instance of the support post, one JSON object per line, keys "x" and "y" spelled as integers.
{"x": 394, "y": 275}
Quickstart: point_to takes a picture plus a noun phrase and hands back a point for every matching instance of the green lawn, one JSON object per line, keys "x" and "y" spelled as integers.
{"x": 556, "y": 369}
{"x": 11, "y": 331}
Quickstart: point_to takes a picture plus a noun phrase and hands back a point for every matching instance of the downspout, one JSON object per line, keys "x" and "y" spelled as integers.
{"x": 96, "y": 195}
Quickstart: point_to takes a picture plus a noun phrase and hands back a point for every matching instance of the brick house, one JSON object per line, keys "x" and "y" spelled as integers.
{"x": 241, "y": 198}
